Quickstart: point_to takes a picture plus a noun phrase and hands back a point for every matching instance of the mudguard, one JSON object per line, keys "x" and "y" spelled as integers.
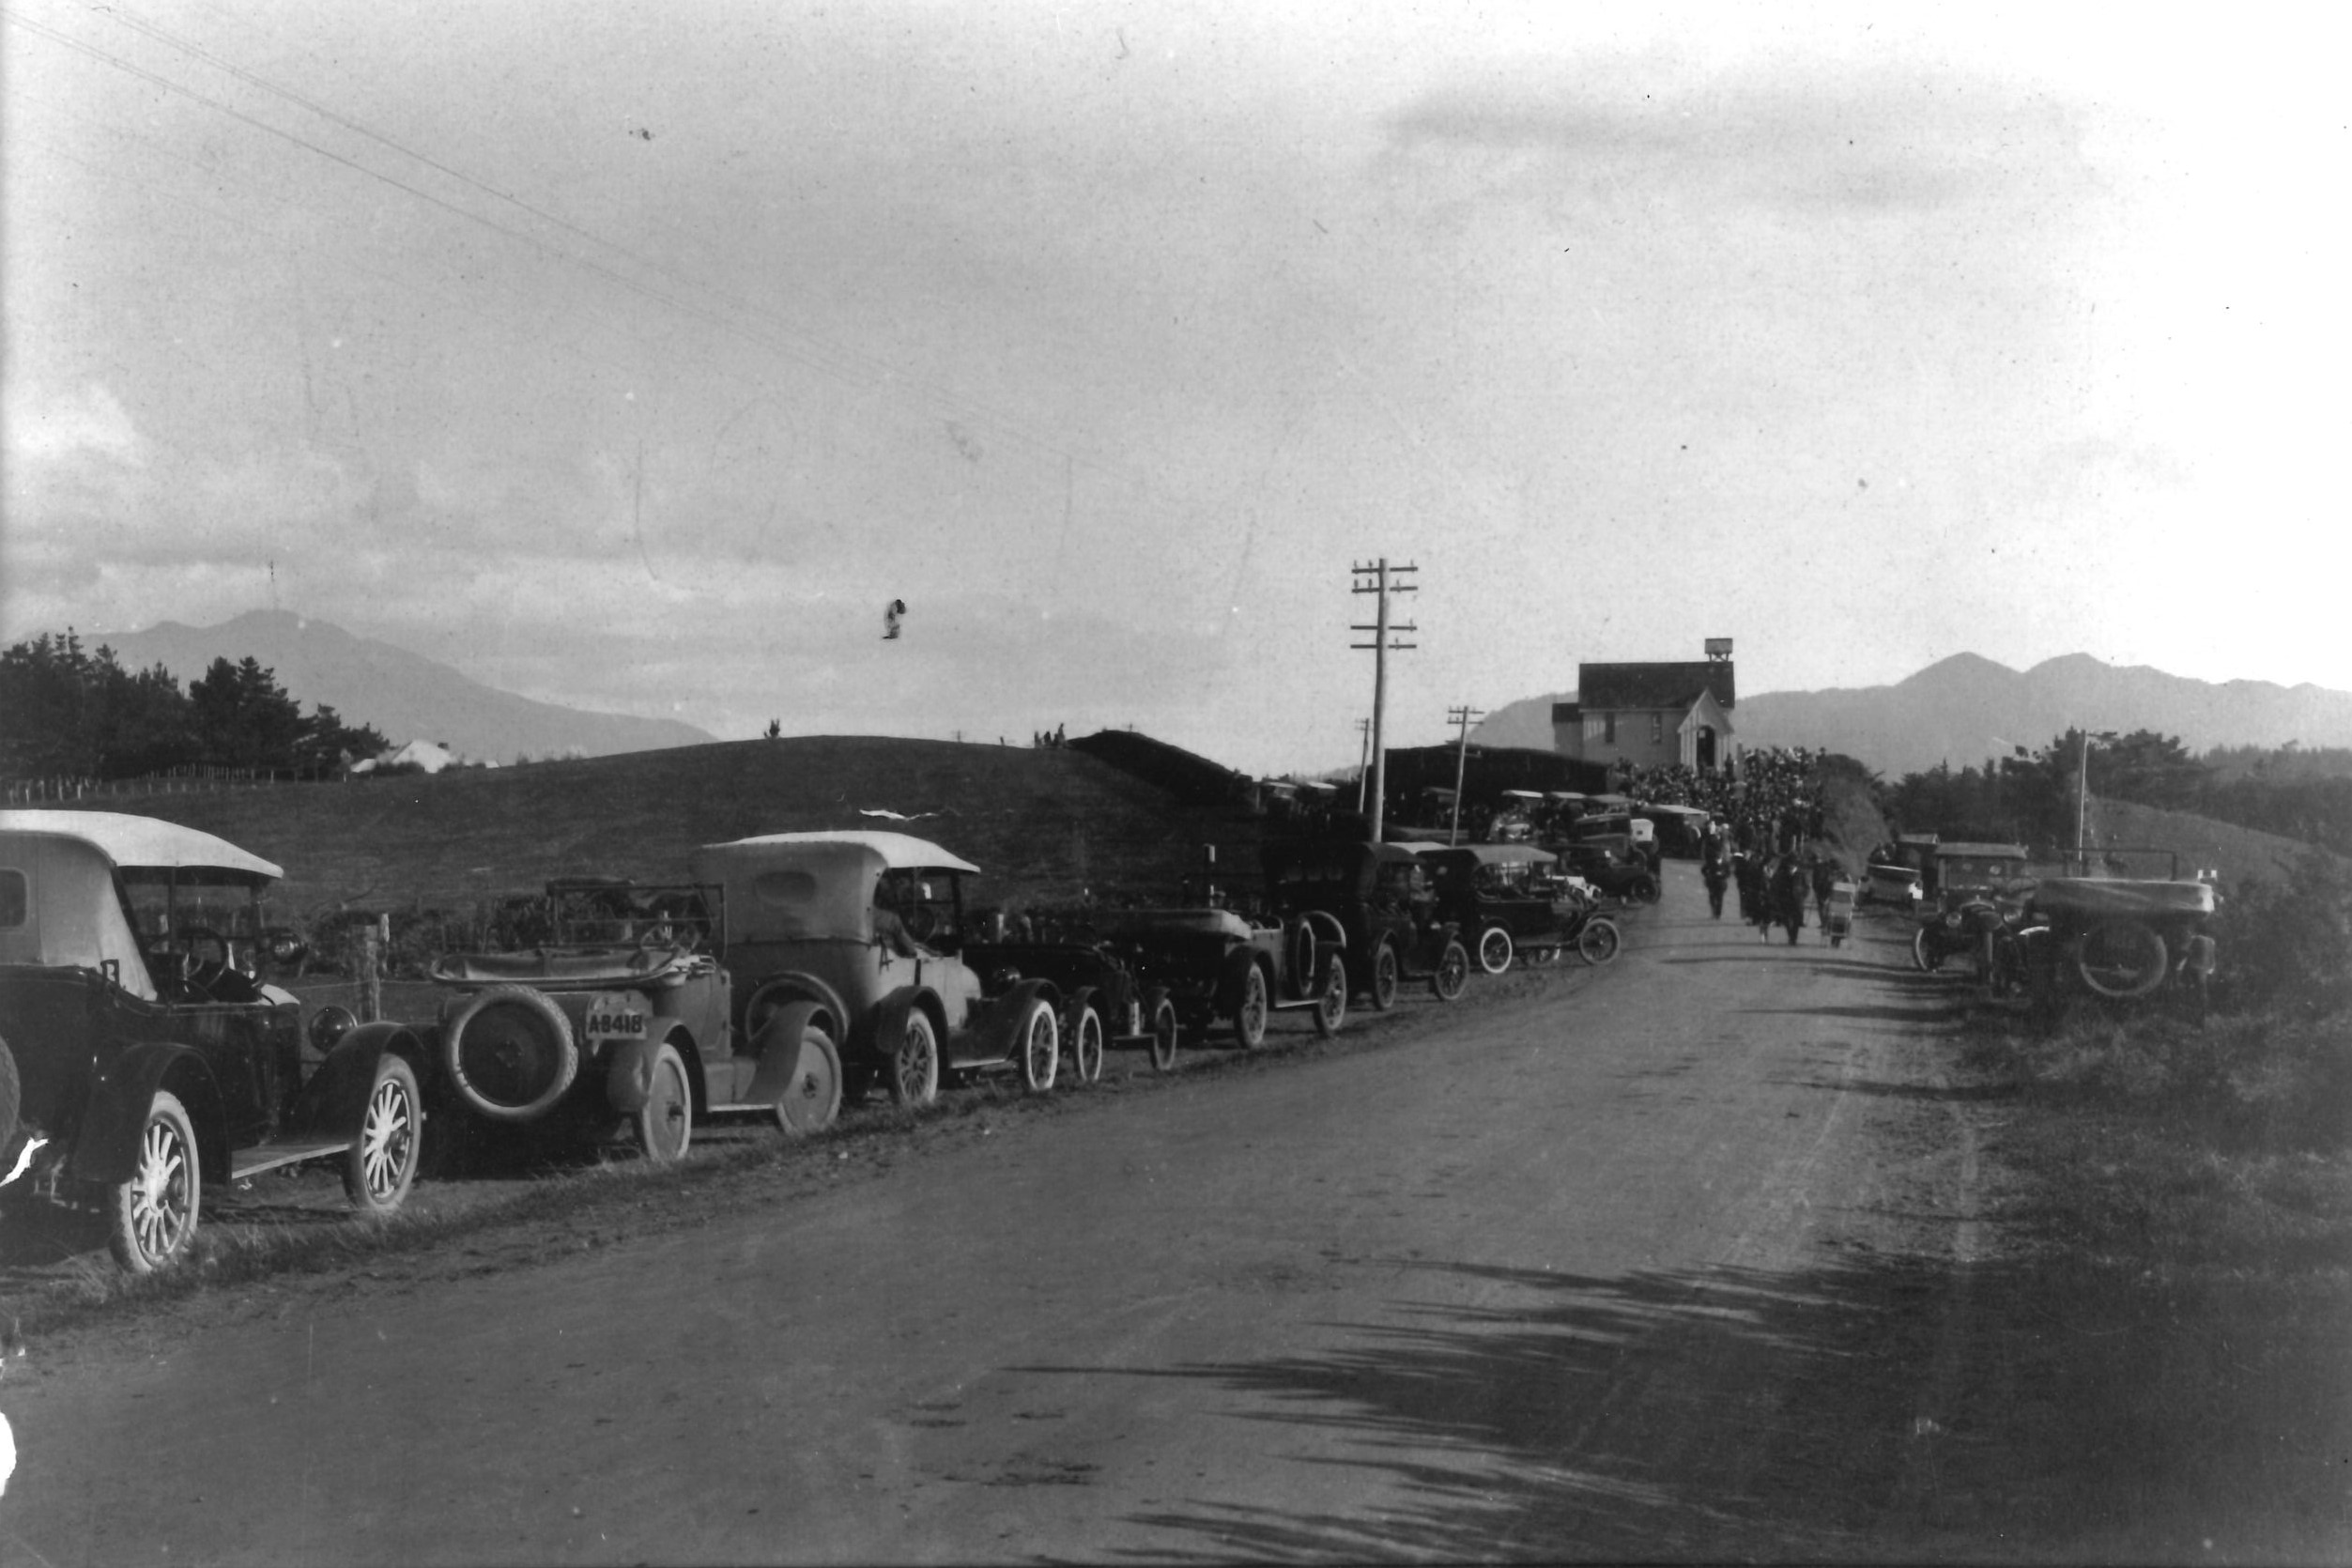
{"x": 106, "y": 1147}
{"x": 334, "y": 1101}
{"x": 994, "y": 1033}
{"x": 888, "y": 1022}
{"x": 799, "y": 984}
{"x": 779, "y": 1048}
{"x": 1232, "y": 976}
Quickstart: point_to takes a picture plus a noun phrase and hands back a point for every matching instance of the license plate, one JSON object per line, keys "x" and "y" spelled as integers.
{"x": 612, "y": 1017}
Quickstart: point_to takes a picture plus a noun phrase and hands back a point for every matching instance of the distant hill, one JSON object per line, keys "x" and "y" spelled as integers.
{"x": 1966, "y": 708}
{"x": 404, "y": 694}
{"x": 1048, "y": 824}
{"x": 1526, "y": 724}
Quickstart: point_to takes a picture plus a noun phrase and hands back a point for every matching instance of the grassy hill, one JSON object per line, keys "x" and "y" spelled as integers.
{"x": 2237, "y": 853}
{"x": 1044, "y": 824}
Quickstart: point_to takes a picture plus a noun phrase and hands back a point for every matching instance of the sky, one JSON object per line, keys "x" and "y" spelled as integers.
{"x": 635, "y": 357}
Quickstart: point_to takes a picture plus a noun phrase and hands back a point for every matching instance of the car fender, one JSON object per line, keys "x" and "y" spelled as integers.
{"x": 779, "y": 1048}
{"x": 992, "y": 1035}
{"x": 1233, "y": 973}
{"x": 106, "y": 1145}
{"x": 333, "y": 1101}
{"x": 888, "y": 1019}
{"x": 801, "y": 986}
{"x": 629, "y": 1075}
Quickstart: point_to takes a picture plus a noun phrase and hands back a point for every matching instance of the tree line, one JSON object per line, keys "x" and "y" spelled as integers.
{"x": 68, "y": 711}
{"x": 2030, "y": 797}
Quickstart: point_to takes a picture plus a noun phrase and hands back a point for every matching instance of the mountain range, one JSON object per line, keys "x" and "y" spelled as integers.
{"x": 1966, "y": 708}
{"x": 405, "y": 696}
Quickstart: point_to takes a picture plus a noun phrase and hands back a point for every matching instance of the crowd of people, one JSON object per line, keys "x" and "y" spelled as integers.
{"x": 1772, "y": 804}
{"x": 1761, "y": 838}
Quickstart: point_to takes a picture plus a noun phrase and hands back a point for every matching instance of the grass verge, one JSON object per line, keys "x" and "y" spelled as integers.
{"x": 2185, "y": 1281}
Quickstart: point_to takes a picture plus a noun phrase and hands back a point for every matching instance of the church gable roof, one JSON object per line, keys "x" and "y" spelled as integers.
{"x": 1618, "y": 686}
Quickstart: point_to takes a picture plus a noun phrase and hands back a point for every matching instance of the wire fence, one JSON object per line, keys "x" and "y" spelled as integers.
{"x": 194, "y": 779}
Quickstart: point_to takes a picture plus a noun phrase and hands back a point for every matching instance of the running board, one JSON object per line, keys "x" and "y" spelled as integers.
{"x": 268, "y": 1157}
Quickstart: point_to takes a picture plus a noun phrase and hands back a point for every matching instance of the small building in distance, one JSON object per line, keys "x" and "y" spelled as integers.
{"x": 1651, "y": 716}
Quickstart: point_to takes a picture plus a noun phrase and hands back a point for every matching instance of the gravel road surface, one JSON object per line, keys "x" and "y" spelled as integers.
{"x": 1599, "y": 1264}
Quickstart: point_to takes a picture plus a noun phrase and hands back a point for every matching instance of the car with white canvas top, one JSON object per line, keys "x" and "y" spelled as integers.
{"x": 143, "y": 1056}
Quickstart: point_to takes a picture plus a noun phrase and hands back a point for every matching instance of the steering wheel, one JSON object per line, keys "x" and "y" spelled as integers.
{"x": 189, "y": 938}
{"x": 921, "y": 921}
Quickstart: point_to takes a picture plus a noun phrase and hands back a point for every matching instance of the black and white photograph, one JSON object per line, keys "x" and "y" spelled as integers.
{"x": 889, "y": 781}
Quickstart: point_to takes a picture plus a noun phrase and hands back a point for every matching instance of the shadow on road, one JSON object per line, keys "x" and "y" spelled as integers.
{"x": 1821, "y": 1414}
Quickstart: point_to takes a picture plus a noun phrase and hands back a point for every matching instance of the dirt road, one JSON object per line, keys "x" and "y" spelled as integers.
{"x": 1602, "y": 1264}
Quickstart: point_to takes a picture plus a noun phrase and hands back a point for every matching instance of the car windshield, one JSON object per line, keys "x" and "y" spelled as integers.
{"x": 204, "y": 921}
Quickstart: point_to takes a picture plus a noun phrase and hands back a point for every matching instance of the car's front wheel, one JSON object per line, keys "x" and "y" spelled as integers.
{"x": 915, "y": 1065}
{"x": 665, "y": 1123}
{"x": 1085, "y": 1039}
{"x": 379, "y": 1169}
{"x": 1331, "y": 1005}
{"x": 1493, "y": 950}
{"x": 1598, "y": 942}
{"x": 1040, "y": 1047}
{"x": 1165, "y": 1031}
{"x": 151, "y": 1217}
{"x": 1385, "y": 974}
{"x": 2122, "y": 958}
{"x": 1453, "y": 976}
{"x": 1249, "y": 1013}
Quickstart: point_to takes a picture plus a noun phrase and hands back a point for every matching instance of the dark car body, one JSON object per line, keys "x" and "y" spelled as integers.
{"x": 142, "y": 1057}
{"x": 1613, "y": 867}
{"x": 1503, "y": 897}
{"x": 1103, "y": 1001}
{"x": 1213, "y": 965}
{"x": 1381, "y": 900}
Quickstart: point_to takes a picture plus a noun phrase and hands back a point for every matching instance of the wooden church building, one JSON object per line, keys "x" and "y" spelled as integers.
{"x": 1651, "y": 714}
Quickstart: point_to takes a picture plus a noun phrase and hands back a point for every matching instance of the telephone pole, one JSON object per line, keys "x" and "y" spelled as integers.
{"x": 1464, "y": 717}
{"x": 1363, "y": 763}
{"x": 1380, "y": 578}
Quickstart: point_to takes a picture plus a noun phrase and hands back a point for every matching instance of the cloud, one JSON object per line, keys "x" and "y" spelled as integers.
{"x": 87, "y": 423}
{"x": 1765, "y": 135}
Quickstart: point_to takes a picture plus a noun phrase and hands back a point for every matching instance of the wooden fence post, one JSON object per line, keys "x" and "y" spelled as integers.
{"x": 374, "y": 941}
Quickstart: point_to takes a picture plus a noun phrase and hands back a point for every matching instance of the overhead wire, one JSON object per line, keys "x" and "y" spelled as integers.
{"x": 799, "y": 344}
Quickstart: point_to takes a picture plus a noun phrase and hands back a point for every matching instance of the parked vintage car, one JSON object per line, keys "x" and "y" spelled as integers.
{"x": 1956, "y": 872}
{"x": 1379, "y": 898}
{"x": 143, "y": 1056}
{"x": 861, "y": 934}
{"x": 1104, "y": 1000}
{"x": 1504, "y": 899}
{"x": 1212, "y": 964}
{"x": 618, "y": 1009}
{"x": 1890, "y": 881}
{"x": 2127, "y": 937}
{"x": 1613, "y": 867}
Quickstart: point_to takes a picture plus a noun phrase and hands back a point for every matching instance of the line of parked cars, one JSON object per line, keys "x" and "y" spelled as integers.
{"x": 144, "y": 1054}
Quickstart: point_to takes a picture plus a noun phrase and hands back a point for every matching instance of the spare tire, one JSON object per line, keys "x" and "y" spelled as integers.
{"x": 509, "y": 1052}
{"x": 2121, "y": 959}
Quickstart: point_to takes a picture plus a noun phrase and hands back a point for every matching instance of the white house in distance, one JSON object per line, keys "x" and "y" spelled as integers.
{"x": 1651, "y": 714}
{"x": 424, "y": 756}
